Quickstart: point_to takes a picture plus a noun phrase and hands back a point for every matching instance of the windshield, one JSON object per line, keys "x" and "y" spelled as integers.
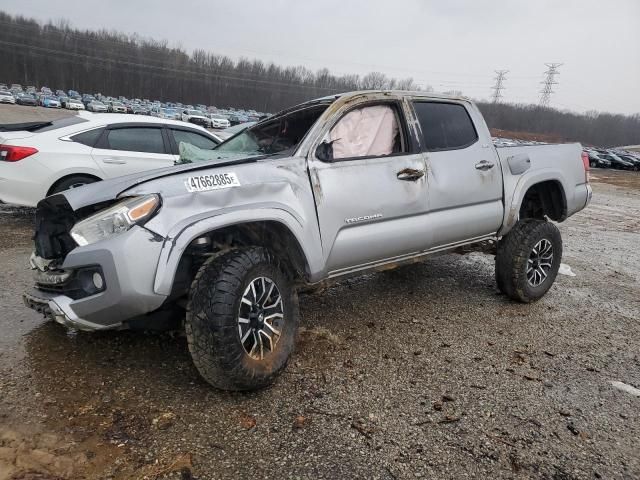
{"x": 195, "y": 112}
{"x": 278, "y": 134}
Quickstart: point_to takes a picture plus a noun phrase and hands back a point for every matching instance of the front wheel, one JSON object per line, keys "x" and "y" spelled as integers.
{"x": 242, "y": 319}
{"x": 528, "y": 259}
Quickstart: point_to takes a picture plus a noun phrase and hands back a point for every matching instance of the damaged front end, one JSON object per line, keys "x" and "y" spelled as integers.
{"x": 82, "y": 278}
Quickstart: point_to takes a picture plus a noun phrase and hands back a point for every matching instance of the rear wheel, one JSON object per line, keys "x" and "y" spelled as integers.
{"x": 74, "y": 181}
{"x": 242, "y": 319}
{"x": 528, "y": 260}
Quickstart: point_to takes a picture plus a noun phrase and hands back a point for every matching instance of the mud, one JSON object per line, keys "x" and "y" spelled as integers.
{"x": 424, "y": 371}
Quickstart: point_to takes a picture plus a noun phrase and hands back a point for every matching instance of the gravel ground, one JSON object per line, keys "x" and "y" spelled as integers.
{"x": 21, "y": 113}
{"x": 425, "y": 371}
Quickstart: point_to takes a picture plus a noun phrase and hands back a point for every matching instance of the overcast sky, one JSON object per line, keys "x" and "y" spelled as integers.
{"x": 448, "y": 44}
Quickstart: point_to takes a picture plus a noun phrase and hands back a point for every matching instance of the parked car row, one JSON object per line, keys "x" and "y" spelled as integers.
{"x": 598, "y": 157}
{"x": 208, "y": 117}
{"x": 619, "y": 159}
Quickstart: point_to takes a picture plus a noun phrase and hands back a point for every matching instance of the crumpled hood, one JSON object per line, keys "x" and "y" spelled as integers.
{"x": 110, "y": 189}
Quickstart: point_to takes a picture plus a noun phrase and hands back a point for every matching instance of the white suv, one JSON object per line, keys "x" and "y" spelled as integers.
{"x": 42, "y": 158}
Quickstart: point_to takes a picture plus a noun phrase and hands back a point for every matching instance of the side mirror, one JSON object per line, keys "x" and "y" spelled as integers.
{"x": 324, "y": 151}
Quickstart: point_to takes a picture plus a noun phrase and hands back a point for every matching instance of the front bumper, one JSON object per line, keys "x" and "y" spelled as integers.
{"x": 128, "y": 263}
{"x": 57, "y": 308}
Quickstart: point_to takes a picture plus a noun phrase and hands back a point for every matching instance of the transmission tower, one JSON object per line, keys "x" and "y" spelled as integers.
{"x": 499, "y": 85}
{"x": 548, "y": 83}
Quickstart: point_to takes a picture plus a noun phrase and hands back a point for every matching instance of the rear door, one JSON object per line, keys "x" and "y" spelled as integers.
{"x": 465, "y": 177}
{"x": 371, "y": 207}
{"x": 130, "y": 148}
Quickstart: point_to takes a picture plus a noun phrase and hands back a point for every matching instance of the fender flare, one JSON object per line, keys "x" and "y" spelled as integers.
{"x": 524, "y": 183}
{"x": 176, "y": 243}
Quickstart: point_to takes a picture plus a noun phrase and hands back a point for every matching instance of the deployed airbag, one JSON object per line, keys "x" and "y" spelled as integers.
{"x": 369, "y": 131}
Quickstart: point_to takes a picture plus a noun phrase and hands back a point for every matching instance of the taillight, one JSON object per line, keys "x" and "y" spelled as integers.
{"x": 11, "y": 153}
{"x": 585, "y": 164}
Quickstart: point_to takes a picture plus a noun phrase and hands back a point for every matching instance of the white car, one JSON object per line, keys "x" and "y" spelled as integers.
{"x": 52, "y": 156}
{"x": 7, "y": 97}
{"x": 218, "y": 121}
{"x": 196, "y": 116}
{"x": 97, "y": 106}
{"x": 73, "y": 104}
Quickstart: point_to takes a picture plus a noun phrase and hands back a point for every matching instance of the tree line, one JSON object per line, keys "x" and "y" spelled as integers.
{"x": 113, "y": 63}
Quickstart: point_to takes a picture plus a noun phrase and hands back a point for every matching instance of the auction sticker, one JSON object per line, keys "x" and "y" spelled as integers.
{"x": 204, "y": 183}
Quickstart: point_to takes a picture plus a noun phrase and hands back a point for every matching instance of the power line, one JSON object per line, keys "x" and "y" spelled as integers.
{"x": 499, "y": 85}
{"x": 549, "y": 82}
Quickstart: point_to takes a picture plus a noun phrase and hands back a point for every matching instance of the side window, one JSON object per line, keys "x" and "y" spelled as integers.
{"x": 194, "y": 138}
{"x": 445, "y": 126}
{"x": 371, "y": 131}
{"x": 88, "y": 138}
{"x": 136, "y": 139}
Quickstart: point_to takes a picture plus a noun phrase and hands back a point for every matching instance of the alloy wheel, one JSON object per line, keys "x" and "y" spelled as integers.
{"x": 539, "y": 262}
{"x": 260, "y": 317}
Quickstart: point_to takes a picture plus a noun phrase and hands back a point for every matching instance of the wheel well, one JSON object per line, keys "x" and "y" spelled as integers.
{"x": 272, "y": 235}
{"x": 66, "y": 177}
{"x": 544, "y": 199}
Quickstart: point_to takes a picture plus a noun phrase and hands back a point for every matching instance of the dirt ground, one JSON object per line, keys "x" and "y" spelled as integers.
{"x": 21, "y": 113}
{"x": 421, "y": 372}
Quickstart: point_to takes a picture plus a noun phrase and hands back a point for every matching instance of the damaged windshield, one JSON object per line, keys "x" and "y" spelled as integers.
{"x": 283, "y": 132}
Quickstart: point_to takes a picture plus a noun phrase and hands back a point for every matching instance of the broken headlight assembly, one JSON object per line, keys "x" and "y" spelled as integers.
{"x": 116, "y": 219}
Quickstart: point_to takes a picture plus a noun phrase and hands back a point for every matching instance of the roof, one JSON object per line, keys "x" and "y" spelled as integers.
{"x": 356, "y": 93}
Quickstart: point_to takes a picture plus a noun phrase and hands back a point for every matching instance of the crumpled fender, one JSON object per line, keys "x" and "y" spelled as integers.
{"x": 177, "y": 241}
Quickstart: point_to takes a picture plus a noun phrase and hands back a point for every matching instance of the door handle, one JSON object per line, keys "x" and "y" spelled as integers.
{"x": 410, "y": 174}
{"x": 115, "y": 161}
{"x": 484, "y": 165}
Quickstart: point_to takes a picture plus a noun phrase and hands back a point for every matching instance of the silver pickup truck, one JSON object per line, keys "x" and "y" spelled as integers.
{"x": 333, "y": 187}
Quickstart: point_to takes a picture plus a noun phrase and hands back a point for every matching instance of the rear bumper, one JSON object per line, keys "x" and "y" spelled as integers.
{"x": 128, "y": 263}
{"x": 20, "y": 185}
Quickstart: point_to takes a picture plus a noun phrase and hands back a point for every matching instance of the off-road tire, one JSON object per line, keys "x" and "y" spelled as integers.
{"x": 212, "y": 320}
{"x": 512, "y": 256}
{"x": 72, "y": 182}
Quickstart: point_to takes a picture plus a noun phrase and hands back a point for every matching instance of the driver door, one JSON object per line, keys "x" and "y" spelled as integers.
{"x": 371, "y": 200}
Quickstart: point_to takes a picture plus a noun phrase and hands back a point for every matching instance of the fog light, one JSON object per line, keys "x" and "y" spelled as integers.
{"x": 98, "y": 281}
{"x": 91, "y": 280}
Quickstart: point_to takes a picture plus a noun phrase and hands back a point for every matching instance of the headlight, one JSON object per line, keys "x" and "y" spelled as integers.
{"x": 116, "y": 219}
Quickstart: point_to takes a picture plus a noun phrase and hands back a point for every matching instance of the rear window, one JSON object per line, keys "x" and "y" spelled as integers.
{"x": 88, "y": 138}
{"x": 445, "y": 126}
{"x": 137, "y": 139}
